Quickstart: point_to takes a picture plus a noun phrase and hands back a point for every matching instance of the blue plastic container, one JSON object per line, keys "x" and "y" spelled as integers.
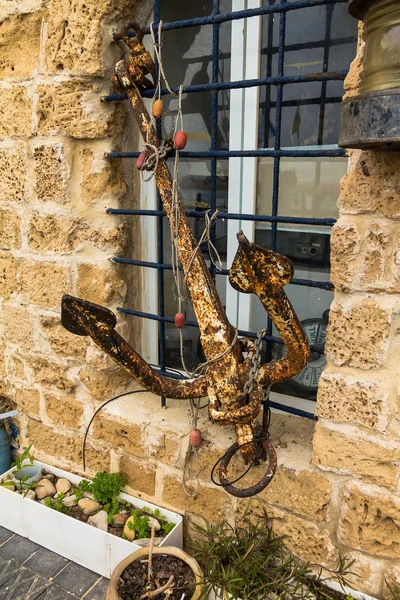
{"x": 5, "y": 448}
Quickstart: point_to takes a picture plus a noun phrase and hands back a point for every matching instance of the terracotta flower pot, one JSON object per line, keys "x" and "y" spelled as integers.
{"x": 112, "y": 590}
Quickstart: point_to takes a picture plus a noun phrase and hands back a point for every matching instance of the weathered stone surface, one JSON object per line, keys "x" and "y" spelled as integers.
{"x": 89, "y": 506}
{"x": 15, "y": 111}
{"x": 357, "y": 452}
{"x": 119, "y": 433}
{"x": 305, "y": 493}
{"x": 44, "y": 283}
{"x": 52, "y": 172}
{"x": 305, "y": 539}
{"x": 96, "y": 460}
{"x": 358, "y": 333}
{"x": 372, "y": 184}
{"x": 139, "y": 475}
{"x": 62, "y": 341}
{"x": 210, "y": 502}
{"x": 345, "y": 246}
{"x": 27, "y": 400}
{"x": 164, "y": 445}
{"x": 10, "y": 230}
{"x": 49, "y": 373}
{"x": 346, "y": 398}
{"x": 98, "y": 285}
{"x": 73, "y": 108}
{"x": 64, "y": 410}
{"x": 105, "y": 383}
{"x": 53, "y": 443}
{"x": 8, "y": 275}
{"x": 18, "y": 325}
{"x": 17, "y": 34}
{"x": 45, "y": 488}
{"x": 13, "y": 167}
{"x": 391, "y": 583}
{"x": 99, "y": 176}
{"x": 370, "y": 521}
{"x": 353, "y": 80}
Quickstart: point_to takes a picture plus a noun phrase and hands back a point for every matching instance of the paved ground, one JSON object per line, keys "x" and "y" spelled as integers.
{"x": 30, "y": 572}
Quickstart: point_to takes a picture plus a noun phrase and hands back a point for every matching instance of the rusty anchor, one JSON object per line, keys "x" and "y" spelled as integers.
{"x": 255, "y": 270}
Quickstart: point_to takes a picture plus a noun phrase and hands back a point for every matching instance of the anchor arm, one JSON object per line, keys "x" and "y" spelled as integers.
{"x": 85, "y": 318}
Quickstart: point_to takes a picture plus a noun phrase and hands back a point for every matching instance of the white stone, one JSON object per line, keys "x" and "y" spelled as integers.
{"x": 69, "y": 501}
{"x": 99, "y": 520}
{"x": 154, "y": 523}
{"x": 44, "y": 488}
{"x": 144, "y": 542}
{"x": 88, "y": 495}
{"x": 30, "y": 494}
{"x": 119, "y": 520}
{"x": 63, "y": 485}
{"x": 89, "y": 506}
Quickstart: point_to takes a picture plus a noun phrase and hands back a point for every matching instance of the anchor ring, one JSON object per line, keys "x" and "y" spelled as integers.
{"x": 260, "y": 485}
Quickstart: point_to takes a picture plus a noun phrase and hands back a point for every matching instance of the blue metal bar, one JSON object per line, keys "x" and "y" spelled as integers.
{"x": 323, "y": 285}
{"x": 246, "y": 83}
{"x": 214, "y": 122}
{"x": 331, "y": 153}
{"x": 292, "y": 410}
{"x": 329, "y": 222}
{"x": 242, "y": 14}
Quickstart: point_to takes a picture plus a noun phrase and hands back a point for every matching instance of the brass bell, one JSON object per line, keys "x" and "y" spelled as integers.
{"x": 372, "y": 119}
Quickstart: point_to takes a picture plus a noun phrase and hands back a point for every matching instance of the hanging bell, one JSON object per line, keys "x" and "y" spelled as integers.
{"x": 372, "y": 119}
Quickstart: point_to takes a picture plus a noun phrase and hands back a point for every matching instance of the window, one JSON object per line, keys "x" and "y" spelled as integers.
{"x": 263, "y": 152}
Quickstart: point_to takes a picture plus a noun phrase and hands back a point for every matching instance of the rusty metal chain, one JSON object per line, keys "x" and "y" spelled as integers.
{"x": 256, "y": 362}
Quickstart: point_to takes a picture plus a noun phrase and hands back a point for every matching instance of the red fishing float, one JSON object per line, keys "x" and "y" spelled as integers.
{"x": 141, "y": 159}
{"x": 158, "y": 108}
{"x": 195, "y": 437}
{"x": 180, "y": 140}
{"x": 179, "y": 320}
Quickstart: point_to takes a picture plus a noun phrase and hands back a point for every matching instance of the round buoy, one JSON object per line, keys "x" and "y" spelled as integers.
{"x": 179, "y": 320}
{"x": 195, "y": 437}
{"x": 180, "y": 140}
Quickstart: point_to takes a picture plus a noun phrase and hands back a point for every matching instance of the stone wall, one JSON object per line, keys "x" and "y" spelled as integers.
{"x": 336, "y": 490}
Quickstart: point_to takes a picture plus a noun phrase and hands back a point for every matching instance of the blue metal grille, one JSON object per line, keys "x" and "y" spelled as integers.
{"x": 280, "y": 8}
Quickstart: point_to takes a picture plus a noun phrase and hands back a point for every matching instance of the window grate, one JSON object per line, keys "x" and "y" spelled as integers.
{"x": 281, "y": 9}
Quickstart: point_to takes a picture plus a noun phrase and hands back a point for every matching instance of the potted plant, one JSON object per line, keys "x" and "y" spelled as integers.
{"x": 247, "y": 561}
{"x": 150, "y": 572}
{"x": 92, "y": 523}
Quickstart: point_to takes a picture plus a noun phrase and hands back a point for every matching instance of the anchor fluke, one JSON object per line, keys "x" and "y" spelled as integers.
{"x": 73, "y": 308}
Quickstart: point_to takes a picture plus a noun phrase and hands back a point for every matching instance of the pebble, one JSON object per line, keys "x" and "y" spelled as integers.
{"x": 89, "y": 506}
{"x": 63, "y": 485}
{"x": 88, "y": 495}
{"x": 69, "y": 501}
{"x": 144, "y": 542}
{"x": 119, "y": 520}
{"x": 49, "y": 476}
{"x": 130, "y": 533}
{"x": 99, "y": 520}
{"x": 30, "y": 494}
{"x": 154, "y": 523}
{"x": 44, "y": 488}
{"x": 8, "y": 486}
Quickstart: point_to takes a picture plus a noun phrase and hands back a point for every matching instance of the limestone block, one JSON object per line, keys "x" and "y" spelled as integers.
{"x": 139, "y": 475}
{"x": 27, "y": 400}
{"x": 62, "y": 341}
{"x": 304, "y": 538}
{"x": 353, "y": 80}
{"x": 49, "y": 374}
{"x": 8, "y": 275}
{"x": 12, "y": 7}
{"x": 355, "y": 451}
{"x": 106, "y": 383}
{"x": 345, "y": 246}
{"x": 366, "y": 574}
{"x": 53, "y": 443}
{"x": 64, "y": 410}
{"x": 120, "y": 433}
{"x": 19, "y": 326}
{"x": 10, "y": 230}
{"x": 372, "y": 185}
{"x": 52, "y": 172}
{"x": 96, "y": 460}
{"x": 44, "y": 283}
{"x": 211, "y": 503}
{"x": 391, "y": 583}
{"x": 164, "y": 445}
{"x": 348, "y": 398}
{"x": 98, "y": 285}
{"x": 73, "y": 108}
{"x": 305, "y": 493}
{"x": 13, "y": 168}
{"x": 99, "y": 175}
{"x": 15, "y": 111}
{"x": 358, "y": 333}
{"x": 56, "y": 233}
{"x": 18, "y": 33}
{"x": 370, "y": 521}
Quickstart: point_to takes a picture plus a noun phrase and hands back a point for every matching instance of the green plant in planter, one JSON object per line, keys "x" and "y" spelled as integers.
{"x": 57, "y": 503}
{"x": 247, "y": 560}
{"x": 140, "y": 524}
{"x": 19, "y": 464}
{"x": 105, "y": 487}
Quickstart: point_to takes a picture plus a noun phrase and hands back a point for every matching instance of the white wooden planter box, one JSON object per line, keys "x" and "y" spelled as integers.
{"x": 82, "y": 543}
